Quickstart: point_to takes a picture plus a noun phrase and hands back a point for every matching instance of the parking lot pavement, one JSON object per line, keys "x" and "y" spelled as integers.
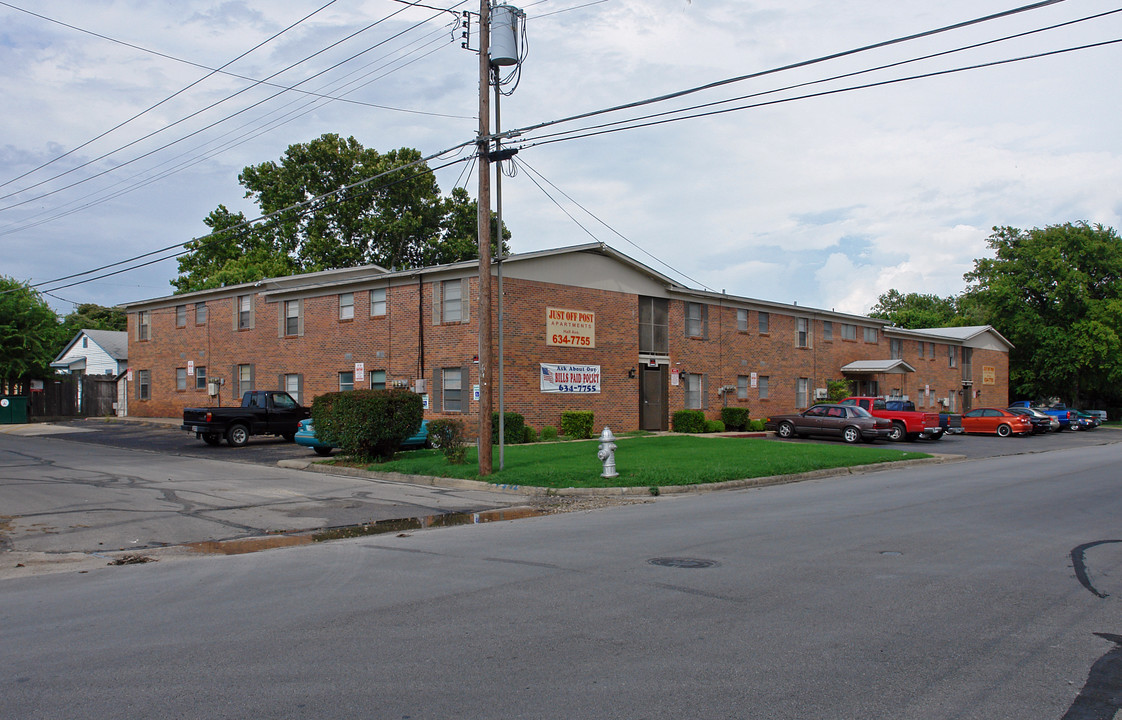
{"x": 93, "y": 490}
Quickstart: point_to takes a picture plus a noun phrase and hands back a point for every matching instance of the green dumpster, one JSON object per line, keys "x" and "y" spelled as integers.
{"x": 13, "y": 409}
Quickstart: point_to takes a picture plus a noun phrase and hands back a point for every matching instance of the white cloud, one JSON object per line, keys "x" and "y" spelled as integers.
{"x": 827, "y": 201}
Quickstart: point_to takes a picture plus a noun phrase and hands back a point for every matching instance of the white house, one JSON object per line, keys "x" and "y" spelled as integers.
{"x": 95, "y": 352}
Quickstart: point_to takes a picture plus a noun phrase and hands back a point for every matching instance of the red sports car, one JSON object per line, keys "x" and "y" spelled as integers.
{"x": 995, "y": 420}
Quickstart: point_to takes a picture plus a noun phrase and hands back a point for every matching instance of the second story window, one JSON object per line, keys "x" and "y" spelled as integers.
{"x": 346, "y": 306}
{"x": 292, "y": 317}
{"x": 450, "y": 302}
{"x": 697, "y": 317}
{"x": 377, "y": 302}
{"x": 245, "y": 312}
{"x": 180, "y": 316}
{"x": 803, "y": 332}
{"x": 952, "y": 356}
{"x": 870, "y": 335}
{"x": 742, "y": 320}
{"x": 764, "y": 322}
{"x": 849, "y": 332}
{"x": 200, "y": 313}
{"x": 896, "y": 348}
{"x": 828, "y": 331}
{"x": 144, "y": 325}
{"x": 654, "y": 326}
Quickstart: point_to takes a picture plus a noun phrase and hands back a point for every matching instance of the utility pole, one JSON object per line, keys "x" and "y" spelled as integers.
{"x": 483, "y": 229}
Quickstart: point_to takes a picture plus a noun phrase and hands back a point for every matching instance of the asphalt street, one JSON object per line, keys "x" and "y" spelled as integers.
{"x": 983, "y": 590}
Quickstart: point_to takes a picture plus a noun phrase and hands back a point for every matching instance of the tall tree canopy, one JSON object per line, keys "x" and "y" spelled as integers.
{"x": 915, "y": 310}
{"x": 90, "y": 316}
{"x": 398, "y": 220}
{"x": 1056, "y": 294}
{"x": 28, "y": 333}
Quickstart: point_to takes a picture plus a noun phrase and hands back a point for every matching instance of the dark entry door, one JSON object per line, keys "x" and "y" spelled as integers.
{"x": 652, "y": 399}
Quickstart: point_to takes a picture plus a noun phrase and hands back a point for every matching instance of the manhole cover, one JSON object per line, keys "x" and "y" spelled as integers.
{"x": 687, "y": 563}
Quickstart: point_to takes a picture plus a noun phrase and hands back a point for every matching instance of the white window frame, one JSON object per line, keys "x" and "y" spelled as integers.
{"x": 451, "y": 389}
{"x": 346, "y": 380}
{"x": 347, "y": 306}
{"x": 181, "y": 379}
{"x": 741, "y": 320}
{"x": 802, "y": 338}
{"x": 802, "y": 392}
{"x": 763, "y": 323}
{"x": 378, "y": 302}
{"x": 245, "y": 312}
{"x": 763, "y": 383}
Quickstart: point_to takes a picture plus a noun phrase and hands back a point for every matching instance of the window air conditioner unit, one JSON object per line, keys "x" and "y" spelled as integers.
{"x": 820, "y": 393}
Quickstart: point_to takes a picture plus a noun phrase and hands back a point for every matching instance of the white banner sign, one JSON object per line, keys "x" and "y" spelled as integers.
{"x": 570, "y": 378}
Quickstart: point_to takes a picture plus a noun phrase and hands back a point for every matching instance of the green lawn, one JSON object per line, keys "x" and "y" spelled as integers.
{"x": 648, "y": 461}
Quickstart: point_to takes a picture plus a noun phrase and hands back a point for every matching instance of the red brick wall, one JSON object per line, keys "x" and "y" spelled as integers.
{"x": 393, "y": 343}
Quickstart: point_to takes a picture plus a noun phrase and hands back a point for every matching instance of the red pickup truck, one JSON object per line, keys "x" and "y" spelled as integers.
{"x": 906, "y": 425}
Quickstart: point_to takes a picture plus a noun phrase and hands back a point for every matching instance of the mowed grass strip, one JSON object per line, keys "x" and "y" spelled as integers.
{"x": 648, "y": 461}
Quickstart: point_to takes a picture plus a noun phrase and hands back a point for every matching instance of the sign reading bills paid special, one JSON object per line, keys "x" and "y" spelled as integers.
{"x": 570, "y": 378}
{"x": 570, "y": 328}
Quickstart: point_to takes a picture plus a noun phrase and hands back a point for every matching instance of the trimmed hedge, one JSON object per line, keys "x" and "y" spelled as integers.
{"x": 513, "y": 428}
{"x": 688, "y": 421}
{"x": 368, "y": 424}
{"x": 576, "y": 424}
{"x": 714, "y": 426}
{"x": 448, "y": 437}
{"x": 549, "y": 433}
{"x": 529, "y": 434}
{"x": 757, "y": 425}
{"x": 735, "y": 418}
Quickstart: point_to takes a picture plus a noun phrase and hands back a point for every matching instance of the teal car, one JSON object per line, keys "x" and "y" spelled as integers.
{"x": 306, "y": 436}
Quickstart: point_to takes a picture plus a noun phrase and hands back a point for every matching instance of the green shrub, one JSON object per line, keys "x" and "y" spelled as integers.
{"x": 576, "y": 424}
{"x": 549, "y": 433}
{"x": 513, "y": 425}
{"x": 714, "y": 426}
{"x": 688, "y": 421}
{"x": 368, "y": 424}
{"x": 735, "y": 418}
{"x": 448, "y": 437}
{"x": 756, "y": 425}
{"x": 529, "y": 434}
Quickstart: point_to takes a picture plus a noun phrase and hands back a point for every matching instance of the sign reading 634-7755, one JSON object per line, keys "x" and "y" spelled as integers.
{"x": 570, "y": 328}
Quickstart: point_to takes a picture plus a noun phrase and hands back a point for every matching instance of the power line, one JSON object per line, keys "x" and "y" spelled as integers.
{"x": 169, "y": 97}
{"x": 783, "y": 68}
{"x": 308, "y": 107}
{"x": 825, "y": 93}
{"x": 306, "y": 204}
{"x": 208, "y": 107}
{"x": 838, "y": 77}
{"x": 521, "y": 162}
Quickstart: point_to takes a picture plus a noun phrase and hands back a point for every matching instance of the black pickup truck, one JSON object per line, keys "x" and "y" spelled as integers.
{"x": 263, "y": 412}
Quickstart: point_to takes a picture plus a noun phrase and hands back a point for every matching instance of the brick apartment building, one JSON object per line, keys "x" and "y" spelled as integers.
{"x": 584, "y": 328}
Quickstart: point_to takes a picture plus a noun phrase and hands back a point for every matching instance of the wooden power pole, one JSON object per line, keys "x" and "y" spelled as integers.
{"x": 486, "y": 361}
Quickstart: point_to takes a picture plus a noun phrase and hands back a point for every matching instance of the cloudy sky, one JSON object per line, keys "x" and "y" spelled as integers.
{"x": 117, "y": 139}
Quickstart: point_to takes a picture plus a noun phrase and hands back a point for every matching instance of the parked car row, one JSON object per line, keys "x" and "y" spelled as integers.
{"x": 853, "y": 423}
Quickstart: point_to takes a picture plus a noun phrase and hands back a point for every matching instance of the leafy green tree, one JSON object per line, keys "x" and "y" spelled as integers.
{"x": 397, "y": 220}
{"x": 90, "y": 316}
{"x": 1056, "y": 294}
{"x": 916, "y": 310}
{"x": 28, "y": 333}
{"x": 234, "y": 253}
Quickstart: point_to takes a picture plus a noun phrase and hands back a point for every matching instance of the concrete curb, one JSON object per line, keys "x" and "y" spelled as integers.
{"x": 532, "y": 490}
